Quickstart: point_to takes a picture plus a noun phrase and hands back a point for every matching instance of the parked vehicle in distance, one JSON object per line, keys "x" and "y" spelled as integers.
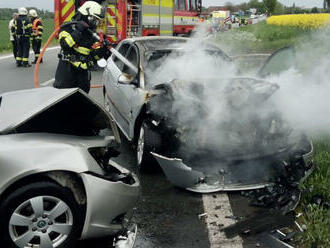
{"x": 239, "y": 154}
{"x": 57, "y": 184}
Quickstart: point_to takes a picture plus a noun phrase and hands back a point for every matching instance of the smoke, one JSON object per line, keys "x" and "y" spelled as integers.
{"x": 303, "y": 98}
{"x": 237, "y": 116}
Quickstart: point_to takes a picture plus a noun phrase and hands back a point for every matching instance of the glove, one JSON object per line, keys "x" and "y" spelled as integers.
{"x": 82, "y": 26}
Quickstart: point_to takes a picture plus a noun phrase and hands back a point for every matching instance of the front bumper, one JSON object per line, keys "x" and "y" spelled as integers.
{"x": 224, "y": 176}
{"x": 107, "y": 204}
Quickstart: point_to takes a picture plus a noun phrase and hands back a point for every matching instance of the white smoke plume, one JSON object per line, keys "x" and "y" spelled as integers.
{"x": 303, "y": 97}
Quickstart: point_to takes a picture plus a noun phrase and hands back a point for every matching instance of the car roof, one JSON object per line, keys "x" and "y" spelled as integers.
{"x": 151, "y": 43}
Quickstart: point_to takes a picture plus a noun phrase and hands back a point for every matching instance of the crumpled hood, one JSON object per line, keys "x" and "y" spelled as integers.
{"x": 63, "y": 111}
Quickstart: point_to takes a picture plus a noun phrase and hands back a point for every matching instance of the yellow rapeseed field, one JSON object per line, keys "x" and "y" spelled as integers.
{"x": 308, "y": 21}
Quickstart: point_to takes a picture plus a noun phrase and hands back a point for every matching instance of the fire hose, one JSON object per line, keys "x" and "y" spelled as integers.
{"x": 98, "y": 38}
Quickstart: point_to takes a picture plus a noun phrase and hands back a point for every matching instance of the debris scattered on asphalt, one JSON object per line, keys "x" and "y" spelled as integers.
{"x": 285, "y": 194}
{"x": 269, "y": 240}
{"x": 200, "y": 216}
{"x": 126, "y": 239}
{"x": 237, "y": 218}
{"x": 263, "y": 221}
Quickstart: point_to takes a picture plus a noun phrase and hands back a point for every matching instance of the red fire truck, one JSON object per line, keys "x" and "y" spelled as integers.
{"x": 131, "y": 18}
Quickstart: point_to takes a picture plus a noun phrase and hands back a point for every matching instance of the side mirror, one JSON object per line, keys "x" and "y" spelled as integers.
{"x": 125, "y": 78}
{"x": 102, "y": 63}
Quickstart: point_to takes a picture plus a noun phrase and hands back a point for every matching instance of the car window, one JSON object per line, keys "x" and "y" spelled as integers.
{"x": 123, "y": 49}
{"x": 131, "y": 56}
{"x": 278, "y": 62}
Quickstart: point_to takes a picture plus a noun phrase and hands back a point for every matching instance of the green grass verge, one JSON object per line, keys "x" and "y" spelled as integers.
{"x": 317, "y": 218}
{"x": 260, "y": 37}
{"x": 5, "y": 44}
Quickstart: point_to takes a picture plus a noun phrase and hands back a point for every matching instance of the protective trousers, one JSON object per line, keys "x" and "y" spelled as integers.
{"x": 23, "y": 44}
{"x": 69, "y": 76}
{"x": 36, "y": 45}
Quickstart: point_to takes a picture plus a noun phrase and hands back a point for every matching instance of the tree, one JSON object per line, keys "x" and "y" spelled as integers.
{"x": 315, "y": 10}
{"x": 270, "y": 5}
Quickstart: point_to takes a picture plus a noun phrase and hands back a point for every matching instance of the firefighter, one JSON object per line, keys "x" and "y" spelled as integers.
{"x": 79, "y": 50}
{"x": 36, "y": 37}
{"x": 22, "y": 28}
{"x": 12, "y": 36}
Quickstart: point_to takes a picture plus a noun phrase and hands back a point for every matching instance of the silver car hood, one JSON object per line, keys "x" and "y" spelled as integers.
{"x": 64, "y": 111}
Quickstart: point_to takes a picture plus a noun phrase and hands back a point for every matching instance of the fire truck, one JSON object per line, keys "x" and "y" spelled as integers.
{"x": 131, "y": 18}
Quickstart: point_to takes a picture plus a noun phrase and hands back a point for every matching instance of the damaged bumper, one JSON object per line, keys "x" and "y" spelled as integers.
{"x": 235, "y": 175}
{"x": 109, "y": 203}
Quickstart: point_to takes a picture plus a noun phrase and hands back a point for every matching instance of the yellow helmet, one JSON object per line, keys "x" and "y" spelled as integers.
{"x": 91, "y": 8}
{"x": 33, "y": 13}
{"x": 22, "y": 11}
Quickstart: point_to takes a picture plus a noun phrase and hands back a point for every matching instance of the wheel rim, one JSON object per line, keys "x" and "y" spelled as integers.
{"x": 140, "y": 147}
{"x": 43, "y": 222}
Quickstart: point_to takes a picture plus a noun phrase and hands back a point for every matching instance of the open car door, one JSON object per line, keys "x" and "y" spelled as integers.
{"x": 279, "y": 61}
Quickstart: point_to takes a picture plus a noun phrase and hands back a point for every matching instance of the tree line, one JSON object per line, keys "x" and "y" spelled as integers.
{"x": 275, "y": 7}
{"x": 7, "y": 13}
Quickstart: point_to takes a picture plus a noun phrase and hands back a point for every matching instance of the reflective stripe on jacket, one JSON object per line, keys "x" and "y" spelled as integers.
{"x": 37, "y": 28}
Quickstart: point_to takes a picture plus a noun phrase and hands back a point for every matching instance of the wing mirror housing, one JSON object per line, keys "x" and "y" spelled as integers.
{"x": 102, "y": 63}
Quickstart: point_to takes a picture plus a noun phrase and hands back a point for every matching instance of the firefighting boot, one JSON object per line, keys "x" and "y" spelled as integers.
{"x": 26, "y": 64}
{"x": 18, "y": 62}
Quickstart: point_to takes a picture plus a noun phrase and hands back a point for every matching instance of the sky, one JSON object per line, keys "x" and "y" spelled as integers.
{"x": 306, "y": 3}
{"x": 49, "y": 4}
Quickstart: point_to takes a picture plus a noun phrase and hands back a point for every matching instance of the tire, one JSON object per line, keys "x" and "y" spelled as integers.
{"x": 41, "y": 223}
{"x": 147, "y": 141}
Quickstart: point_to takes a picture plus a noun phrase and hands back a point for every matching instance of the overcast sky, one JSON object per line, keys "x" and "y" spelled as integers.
{"x": 306, "y": 3}
{"x": 49, "y": 4}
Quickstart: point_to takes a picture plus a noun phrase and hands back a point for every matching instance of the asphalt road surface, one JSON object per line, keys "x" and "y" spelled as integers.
{"x": 167, "y": 217}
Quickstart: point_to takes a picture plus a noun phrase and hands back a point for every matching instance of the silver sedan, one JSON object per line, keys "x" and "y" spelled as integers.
{"x": 58, "y": 183}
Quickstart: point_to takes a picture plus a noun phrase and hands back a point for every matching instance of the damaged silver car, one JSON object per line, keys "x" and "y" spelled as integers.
{"x": 251, "y": 147}
{"x": 58, "y": 183}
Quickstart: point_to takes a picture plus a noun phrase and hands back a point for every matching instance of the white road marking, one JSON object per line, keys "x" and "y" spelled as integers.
{"x": 31, "y": 52}
{"x": 50, "y": 81}
{"x": 217, "y": 207}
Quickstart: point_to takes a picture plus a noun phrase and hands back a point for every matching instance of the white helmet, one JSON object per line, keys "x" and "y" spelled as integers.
{"x": 22, "y": 11}
{"x": 33, "y": 13}
{"x": 91, "y": 8}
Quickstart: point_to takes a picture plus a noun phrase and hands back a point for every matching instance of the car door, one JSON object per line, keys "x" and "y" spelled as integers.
{"x": 132, "y": 93}
{"x": 114, "y": 94}
{"x": 280, "y": 61}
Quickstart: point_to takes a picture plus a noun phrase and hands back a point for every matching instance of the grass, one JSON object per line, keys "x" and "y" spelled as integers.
{"x": 317, "y": 218}
{"x": 260, "y": 37}
{"x": 5, "y": 44}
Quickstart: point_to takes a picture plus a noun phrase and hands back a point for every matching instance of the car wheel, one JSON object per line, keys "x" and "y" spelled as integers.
{"x": 147, "y": 141}
{"x": 43, "y": 215}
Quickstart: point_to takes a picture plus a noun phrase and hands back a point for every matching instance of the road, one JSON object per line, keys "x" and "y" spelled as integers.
{"x": 167, "y": 217}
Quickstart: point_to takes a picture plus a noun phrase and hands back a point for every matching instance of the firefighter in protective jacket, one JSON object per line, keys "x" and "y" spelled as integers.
{"x": 79, "y": 49}
{"x": 36, "y": 37}
{"x": 22, "y": 28}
